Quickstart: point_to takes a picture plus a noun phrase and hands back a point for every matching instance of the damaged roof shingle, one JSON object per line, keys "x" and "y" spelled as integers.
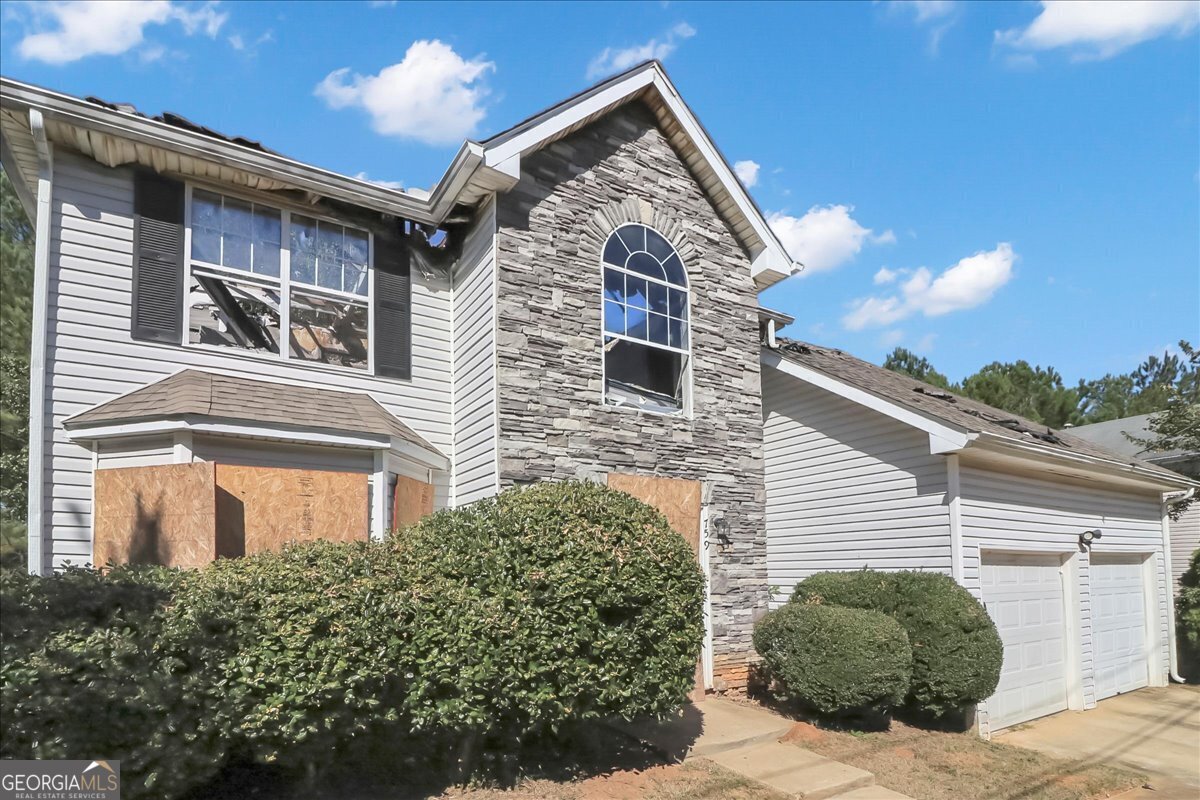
{"x": 178, "y": 121}
{"x": 952, "y": 409}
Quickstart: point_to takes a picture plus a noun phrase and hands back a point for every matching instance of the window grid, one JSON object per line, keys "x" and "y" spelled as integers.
{"x": 281, "y": 281}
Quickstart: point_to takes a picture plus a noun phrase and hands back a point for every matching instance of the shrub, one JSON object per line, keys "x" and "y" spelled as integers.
{"x": 554, "y": 603}
{"x": 957, "y": 651}
{"x": 90, "y": 669}
{"x": 320, "y": 650}
{"x": 836, "y": 659}
{"x": 1187, "y": 618}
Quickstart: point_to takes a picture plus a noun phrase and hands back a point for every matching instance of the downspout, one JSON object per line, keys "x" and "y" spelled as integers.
{"x": 37, "y": 349}
{"x": 1172, "y": 644}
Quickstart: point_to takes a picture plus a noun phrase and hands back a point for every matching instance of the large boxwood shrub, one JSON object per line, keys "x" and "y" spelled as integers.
{"x": 957, "y": 651}
{"x": 834, "y": 659}
{"x": 553, "y": 603}
{"x": 90, "y": 667}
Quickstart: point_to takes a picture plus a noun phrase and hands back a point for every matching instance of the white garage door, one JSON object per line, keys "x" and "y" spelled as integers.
{"x": 1119, "y": 643}
{"x": 1024, "y": 596}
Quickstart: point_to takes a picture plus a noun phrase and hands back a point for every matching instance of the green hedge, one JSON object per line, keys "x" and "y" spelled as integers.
{"x": 557, "y": 602}
{"x": 1187, "y": 619}
{"x": 957, "y": 651}
{"x": 94, "y": 664}
{"x": 834, "y": 659}
{"x": 505, "y": 619}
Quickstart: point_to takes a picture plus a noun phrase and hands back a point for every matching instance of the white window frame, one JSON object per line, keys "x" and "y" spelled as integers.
{"x": 284, "y": 282}
{"x": 685, "y": 409}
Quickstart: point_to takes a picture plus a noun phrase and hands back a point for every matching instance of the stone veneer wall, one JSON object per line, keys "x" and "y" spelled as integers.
{"x": 552, "y": 420}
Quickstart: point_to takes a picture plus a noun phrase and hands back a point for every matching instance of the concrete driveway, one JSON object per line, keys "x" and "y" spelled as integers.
{"x": 1155, "y": 731}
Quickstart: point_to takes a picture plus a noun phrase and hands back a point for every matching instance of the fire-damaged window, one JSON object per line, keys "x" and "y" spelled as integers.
{"x": 645, "y": 321}
{"x": 273, "y": 282}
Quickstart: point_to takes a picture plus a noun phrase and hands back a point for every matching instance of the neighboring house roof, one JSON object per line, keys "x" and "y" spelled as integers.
{"x": 200, "y": 394}
{"x": 1111, "y": 435}
{"x": 957, "y": 413}
{"x": 118, "y": 134}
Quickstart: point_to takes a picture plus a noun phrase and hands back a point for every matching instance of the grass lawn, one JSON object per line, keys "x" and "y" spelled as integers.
{"x": 932, "y": 765}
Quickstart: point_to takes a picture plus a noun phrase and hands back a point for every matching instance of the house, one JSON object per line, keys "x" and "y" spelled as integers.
{"x": 1113, "y": 435}
{"x": 1065, "y": 543}
{"x": 232, "y": 349}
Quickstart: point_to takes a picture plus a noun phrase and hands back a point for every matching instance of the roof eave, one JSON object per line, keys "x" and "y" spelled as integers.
{"x": 81, "y": 113}
{"x": 1036, "y": 452}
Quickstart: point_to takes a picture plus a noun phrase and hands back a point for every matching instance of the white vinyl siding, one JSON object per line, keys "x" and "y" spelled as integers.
{"x": 1185, "y": 538}
{"x": 847, "y": 488}
{"x": 91, "y": 357}
{"x": 1030, "y": 514}
{"x": 475, "y": 440}
{"x": 147, "y": 451}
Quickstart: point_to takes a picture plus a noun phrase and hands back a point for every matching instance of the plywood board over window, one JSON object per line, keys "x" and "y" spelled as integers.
{"x": 412, "y": 501}
{"x": 678, "y": 500}
{"x": 155, "y": 515}
{"x": 261, "y": 508}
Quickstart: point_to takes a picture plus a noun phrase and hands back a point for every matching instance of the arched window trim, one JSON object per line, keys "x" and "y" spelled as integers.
{"x": 629, "y": 395}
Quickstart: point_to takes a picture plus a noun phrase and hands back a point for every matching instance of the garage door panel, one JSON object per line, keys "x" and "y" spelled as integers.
{"x": 1119, "y": 634}
{"x": 1024, "y": 596}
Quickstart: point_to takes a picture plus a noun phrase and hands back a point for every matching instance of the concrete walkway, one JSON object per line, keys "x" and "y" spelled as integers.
{"x": 1155, "y": 731}
{"x": 745, "y": 739}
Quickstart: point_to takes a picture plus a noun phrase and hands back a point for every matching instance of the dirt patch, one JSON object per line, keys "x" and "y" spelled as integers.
{"x": 935, "y": 765}
{"x": 803, "y": 733}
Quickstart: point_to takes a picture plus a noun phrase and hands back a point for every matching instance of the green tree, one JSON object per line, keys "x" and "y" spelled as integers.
{"x": 1177, "y": 426}
{"x": 1037, "y": 393}
{"x": 16, "y": 290}
{"x": 1151, "y": 387}
{"x": 909, "y": 363}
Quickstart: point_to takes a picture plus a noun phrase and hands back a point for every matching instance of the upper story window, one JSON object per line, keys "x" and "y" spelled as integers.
{"x": 646, "y": 345}
{"x": 273, "y": 282}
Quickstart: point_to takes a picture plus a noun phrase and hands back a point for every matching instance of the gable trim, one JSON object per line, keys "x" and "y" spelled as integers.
{"x": 942, "y": 438}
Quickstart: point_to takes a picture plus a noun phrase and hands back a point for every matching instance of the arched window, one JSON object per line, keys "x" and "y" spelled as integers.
{"x": 645, "y": 320}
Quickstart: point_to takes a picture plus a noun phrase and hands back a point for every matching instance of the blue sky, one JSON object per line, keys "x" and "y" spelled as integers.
{"x": 976, "y": 182}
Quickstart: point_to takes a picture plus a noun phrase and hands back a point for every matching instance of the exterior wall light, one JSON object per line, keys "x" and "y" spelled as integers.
{"x": 1087, "y": 537}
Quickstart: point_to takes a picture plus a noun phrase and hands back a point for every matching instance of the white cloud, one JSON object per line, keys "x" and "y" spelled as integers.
{"x": 1099, "y": 30}
{"x": 885, "y": 275}
{"x": 614, "y": 60}
{"x": 747, "y": 172}
{"x": 968, "y": 284}
{"x": 936, "y": 15}
{"x": 62, "y": 32}
{"x": 824, "y": 238}
{"x": 891, "y": 338}
{"x": 362, "y": 176}
{"x": 924, "y": 345}
{"x": 433, "y": 95}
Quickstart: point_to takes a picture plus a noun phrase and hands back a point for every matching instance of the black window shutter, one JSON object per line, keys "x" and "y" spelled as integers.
{"x": 393, "y": 308}
{"x": 157, "y": 314}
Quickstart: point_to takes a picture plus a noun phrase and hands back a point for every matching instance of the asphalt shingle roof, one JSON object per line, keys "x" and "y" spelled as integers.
{"x": 950, "y": 408}
{"x": 207, "y": 394}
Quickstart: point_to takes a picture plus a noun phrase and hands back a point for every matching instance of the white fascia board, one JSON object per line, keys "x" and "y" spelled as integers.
{"x": 774, "y": 262}
{"x": 942, "y": 438}
{"x": 533, "y": 132}
{"x": 83, "y": 114}
{"x": 226, "y": 428}
{"x": 420, "y": 455}
{"x": 1046, "y": 455}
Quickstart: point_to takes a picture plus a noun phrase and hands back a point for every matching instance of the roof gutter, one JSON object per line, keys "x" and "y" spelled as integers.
{"x": 73, "y": 111}
{"x": 1002, "y": 444}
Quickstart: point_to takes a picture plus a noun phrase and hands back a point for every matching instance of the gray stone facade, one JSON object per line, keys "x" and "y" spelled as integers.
{"x": 553, "y": 423}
